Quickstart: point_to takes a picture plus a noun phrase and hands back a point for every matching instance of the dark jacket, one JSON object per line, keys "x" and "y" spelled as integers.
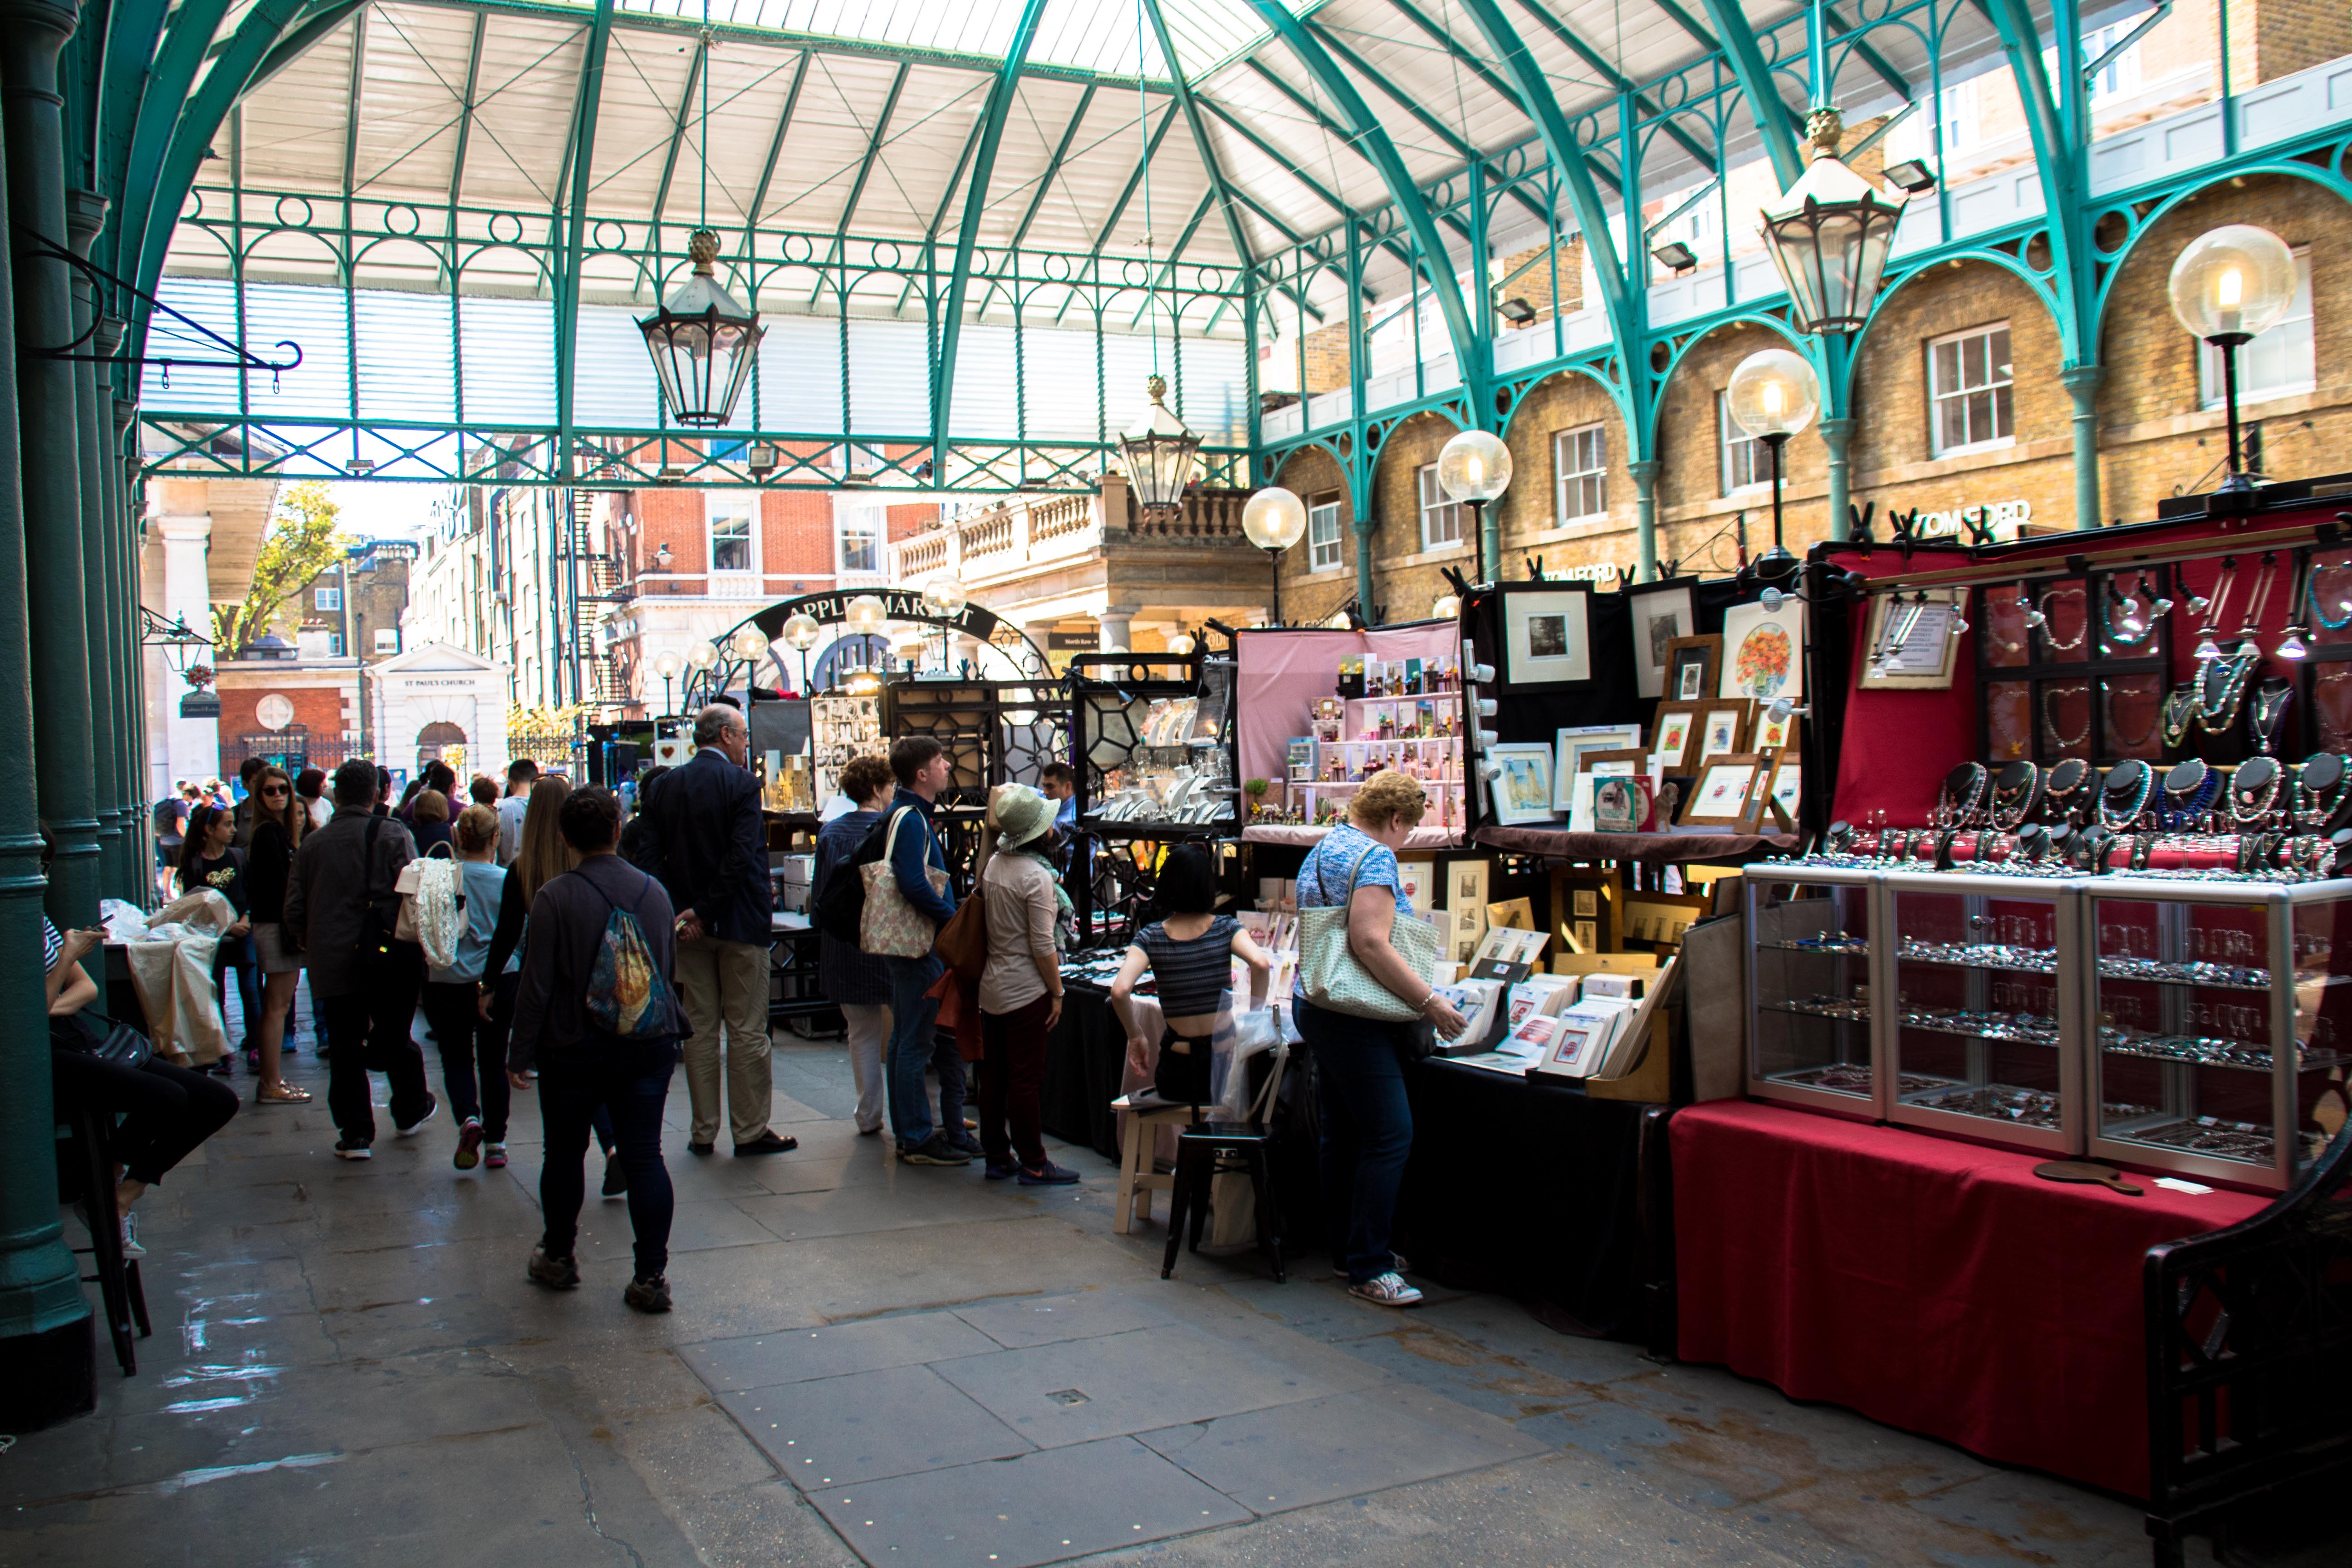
{"x": 846, "y": 973}
{"x": 704, "y": 832}
{"x": 267, "y": 864}
{"x": 328, "y": 894}
{"x": 566, "y": 928}
{"x": 916, "y": 849}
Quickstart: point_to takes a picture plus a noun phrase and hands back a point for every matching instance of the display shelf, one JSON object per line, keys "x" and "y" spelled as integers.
{"x": 1963, "y": 955}
{"x": 1794, "y": 923}
{"x": 1825, "y": 948}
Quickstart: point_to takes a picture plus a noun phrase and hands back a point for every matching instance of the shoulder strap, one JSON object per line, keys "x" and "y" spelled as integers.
{"x": 890, "y": 837}
{"x": 1357, "y": 870}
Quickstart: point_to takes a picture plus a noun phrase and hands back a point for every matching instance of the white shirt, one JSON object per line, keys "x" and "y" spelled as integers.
{"x": 510, "y": 813}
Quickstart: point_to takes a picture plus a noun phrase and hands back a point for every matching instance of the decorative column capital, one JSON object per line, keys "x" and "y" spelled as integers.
{"x": 1644, "y": 471}
{"x": 85, "y": 215}
{"x": 2082, "y": 381}
{"x": 1837, "y": 432}
{"x": 181, "y": 528}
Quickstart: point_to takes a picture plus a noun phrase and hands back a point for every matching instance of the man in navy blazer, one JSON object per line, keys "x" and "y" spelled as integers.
{"x": 708, "y": 846}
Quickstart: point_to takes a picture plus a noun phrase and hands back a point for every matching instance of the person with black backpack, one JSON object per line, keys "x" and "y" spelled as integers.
{"x": 342, "y": 905}
{"x": 597, "y": 1014}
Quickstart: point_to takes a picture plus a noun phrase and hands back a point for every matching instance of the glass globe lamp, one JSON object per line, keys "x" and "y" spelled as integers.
{"x": 702, "y": 655}
{"x": 1474, "y": 467}
{"x": 1181, "y": 642}
{"x": 668, "y": 665}
{"x": 1447, "y": 608}
{"x": 1274, "y": 520}
{"x": 865, "y": 615}
{"x": 945, "y": 596}
{"x": 1773, "y": 394}
{"x": 749, "y": 643}
{"x": 2231, "y": 286}
{"x": 801, "y": 631}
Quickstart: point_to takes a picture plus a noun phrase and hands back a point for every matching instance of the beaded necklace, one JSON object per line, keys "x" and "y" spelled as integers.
{"x": 2039, "y": 617}
{"x": 2139, "y": 783}
{"x": 2050, "y": 717}
{"x": 2254, "y": 790}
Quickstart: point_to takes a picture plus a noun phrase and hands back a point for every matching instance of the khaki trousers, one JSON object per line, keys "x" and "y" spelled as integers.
{"x": 725, "y": 984}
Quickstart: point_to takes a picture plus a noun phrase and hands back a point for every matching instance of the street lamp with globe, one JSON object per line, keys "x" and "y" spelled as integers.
{"x": 1274, "y": 519}
{"x": 944, "y": 597}
{"x": 749, "y": 646}
{"x": 668, "y": 665}
{"x": 1476, "y": 468}
{"x": 1773, "y": 394}
{"x": 2231, "y": 286}
{"x": 802, "y": 633}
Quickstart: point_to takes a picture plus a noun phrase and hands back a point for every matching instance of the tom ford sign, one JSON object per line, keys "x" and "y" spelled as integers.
{"x": 2004, "y": 518}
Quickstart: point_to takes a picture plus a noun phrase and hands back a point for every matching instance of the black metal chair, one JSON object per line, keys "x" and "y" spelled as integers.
{"x": 1199, "y": 1150}
{"x": 89, "y": 1132}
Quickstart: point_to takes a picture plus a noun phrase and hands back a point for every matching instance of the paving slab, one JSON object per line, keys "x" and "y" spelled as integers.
{"x": 869, "y": 1425}
{"x": 800, "y": 1355}
{"x": 1050, "y": 1319}
{"x": 1041, "y": 1507}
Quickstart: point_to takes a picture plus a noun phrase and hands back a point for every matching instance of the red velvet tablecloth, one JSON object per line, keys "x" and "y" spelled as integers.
{"x": 1931, "y": 1284}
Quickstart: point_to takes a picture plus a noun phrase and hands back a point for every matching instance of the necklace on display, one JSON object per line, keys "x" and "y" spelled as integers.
{"x": 2219, "y": 688}
{"x": 2179, "y": 707}
{"x": 2254, "y": 790}
{"x": 2268, "y": 715}
{"x": 2319, "y": 787}
{"x": 2311, "y": 594}
{"x": 2131, "y": 780}
{"x": 2130, "y": 742}
{"x": 2015, "y": 794}
{"x": 2061, "y": 791}
{"x": 2139, "y": 621}
{"x": 1963, "y": 792}
{"x": 2040, "y": 617}
{"x": 2050, "y": 716}
{"x": 2189, "y": 790}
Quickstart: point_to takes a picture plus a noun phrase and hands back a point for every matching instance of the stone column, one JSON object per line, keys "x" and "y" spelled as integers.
{"x": 45, "y": 1322}
{"x": 85, "y": 214}
{"x": 32, "y": 32}
{"x": 191, "y": 746}
{"x": 1112, "y": 622}
{"x": 2082, "y": 384}
{"x": 1646, "y": 513}
{"x": 1837, "y": 434}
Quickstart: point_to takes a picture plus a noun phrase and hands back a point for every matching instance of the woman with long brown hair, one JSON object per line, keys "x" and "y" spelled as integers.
{"x": 279, "y": 820}
{"x": 209, "y": 860}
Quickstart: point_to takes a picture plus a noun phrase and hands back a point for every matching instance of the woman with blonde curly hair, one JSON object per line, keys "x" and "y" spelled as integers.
{"x": 1360, "y": 1096}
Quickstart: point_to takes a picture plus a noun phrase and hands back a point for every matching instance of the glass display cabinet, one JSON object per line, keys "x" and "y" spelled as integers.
{"x": 2222, "y": 1028}
{"x": 1982, "y": 1006}
{"x": 1813, "y": 1038}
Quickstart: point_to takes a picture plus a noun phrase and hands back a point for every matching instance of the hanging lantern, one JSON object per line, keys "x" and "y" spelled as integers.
{"x": 1162, "y": 456}
{"x": 703, "y": 343}
{"x": 1830, "y": 233}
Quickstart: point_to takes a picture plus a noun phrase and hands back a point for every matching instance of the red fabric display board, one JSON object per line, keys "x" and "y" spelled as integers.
{"x": 1935, "y": 1285}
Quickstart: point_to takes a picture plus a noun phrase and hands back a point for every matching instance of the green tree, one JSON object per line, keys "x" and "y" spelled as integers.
{"x": 303, "y": 543}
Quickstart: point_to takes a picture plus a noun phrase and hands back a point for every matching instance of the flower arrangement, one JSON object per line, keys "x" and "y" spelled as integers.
{"x": 1762, "y": 666}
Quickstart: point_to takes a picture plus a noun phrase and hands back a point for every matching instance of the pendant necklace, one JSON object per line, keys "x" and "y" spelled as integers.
{"x": 2050, "y": 717}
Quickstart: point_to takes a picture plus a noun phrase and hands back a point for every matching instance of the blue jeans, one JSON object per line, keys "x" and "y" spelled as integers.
{"x": 630, "y": 1082}
{"x": 1367, "y": 1134}
{"x": 914, "y": 1044}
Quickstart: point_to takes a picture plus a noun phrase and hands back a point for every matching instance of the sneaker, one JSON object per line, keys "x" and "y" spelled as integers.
{"x": 432, "y": 1107}
{"x": 1003, "y": 1172}
{"x": 647, "y": 1293}
{"x": 555, "y": 1273}
{"x": 1396, "y": 1262}
{"x": 131, "y": 1247}
{"x": 1386, "y": 1291}
{"x": 1049, "y": 1175}
{"x": 969, "y": 1145}
{"x": 616, "y": 1180}
{"x": 470, "y": 1145}
{"x": 494, "y": 1156}
{"x": 937, "y": 1151}
{"x": 347, "y": 1150}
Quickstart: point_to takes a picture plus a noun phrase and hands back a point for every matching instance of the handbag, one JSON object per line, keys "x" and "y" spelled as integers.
{"x": 891, "y": 926}
{"x": 962, "y": 943}
{"x": 1333, "y": 979}
{"x": 115, "y": 1044}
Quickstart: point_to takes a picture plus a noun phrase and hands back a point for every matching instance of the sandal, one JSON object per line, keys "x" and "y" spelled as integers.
{"x": 282, "y": 1093}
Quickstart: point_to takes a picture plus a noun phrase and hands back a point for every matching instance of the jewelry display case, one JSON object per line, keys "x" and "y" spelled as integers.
{"x": 1813, "y": 1033}
{"x": 2222, "y": 1020}
{"x": 1155, "y": 744}
{"x": 1981, "y": 1007}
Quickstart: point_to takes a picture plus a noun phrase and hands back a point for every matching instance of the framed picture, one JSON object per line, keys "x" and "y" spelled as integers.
{"x": 1722, "y": 728}
{"x": 1764, "y": 652}
{"x": 1571, "y": 744}
{"x": 1692, "y": 667}
{"x": 1584, "y": 909}
{"x": 1524, "y": 791}
{"x": 1678, "y": 726}
{"x": 1924, "y": 659}
{"x": 1787, "y": 787}
{"x": 1770, "y": 734}
{"x": 1720, "y": 797}
{"x": 1417, "y": 876}
{"x": 1662, "y": 613}
{"x": 1546, "y": 634}
{"x": 1465, "y": 895}
{"x": 1594, "y": 769}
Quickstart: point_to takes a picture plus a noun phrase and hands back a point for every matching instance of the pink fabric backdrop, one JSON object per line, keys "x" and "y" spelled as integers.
{"x": 1279, "y": 675}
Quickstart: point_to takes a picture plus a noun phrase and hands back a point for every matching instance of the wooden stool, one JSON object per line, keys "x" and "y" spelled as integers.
{"x": 1146, "y": 1113}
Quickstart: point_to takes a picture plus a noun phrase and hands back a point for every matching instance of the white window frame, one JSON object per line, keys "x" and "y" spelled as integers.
{"x": 387, "y": 639}
{"x": 1736, "y": 449}
{"x": 1324, "y": 534}
{"x": 2000, "y": 383}
{"x": 727, "y": 508}
{"x": 859, "y": 522}
{"x": 326, "y": 599}
{"x": 1441, "y": 517}
{"x": 1579, "y": 460}
{"x": 2292, "y": 340}
{"x": 334, "y": 644}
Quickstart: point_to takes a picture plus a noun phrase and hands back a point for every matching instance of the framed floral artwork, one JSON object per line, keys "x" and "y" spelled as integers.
{"x": 1764, "y": 652}
{"x": 1722, "y": 728}
{"x": 1720, "y": 797}
{"x": 1678, "y": 726}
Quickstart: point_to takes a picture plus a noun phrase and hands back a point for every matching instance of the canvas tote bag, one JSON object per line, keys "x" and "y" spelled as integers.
{"x": 891, "y": 927}
{"x": 1335, "y": 981}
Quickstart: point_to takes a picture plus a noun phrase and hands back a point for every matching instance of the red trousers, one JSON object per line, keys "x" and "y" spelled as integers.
{"x": 1012, "y": 1083}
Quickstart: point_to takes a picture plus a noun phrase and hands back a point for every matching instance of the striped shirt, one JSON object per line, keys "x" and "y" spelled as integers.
{"x": 1192, "y": 977}
{"x": 53, "y": 946}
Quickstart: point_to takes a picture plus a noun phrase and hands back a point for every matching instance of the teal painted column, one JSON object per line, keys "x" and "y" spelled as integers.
{"x": 44, "y": 1323}
{"x": 85, "y": 215}
{"x": 1837, "y": 434}
{"x": 1646, "y": 513}
{"x": 2082, "y": 384}
{"x": 130, "y": 672}
{"x": 31, "y": 34}
{"x": 1362, "y": 528}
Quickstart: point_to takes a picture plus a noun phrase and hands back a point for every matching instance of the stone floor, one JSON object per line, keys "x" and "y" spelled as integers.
{"x": 874, "y": 1363}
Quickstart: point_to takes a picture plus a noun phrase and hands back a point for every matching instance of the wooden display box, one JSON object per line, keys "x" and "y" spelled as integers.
{"x": 1652, "y": 1081}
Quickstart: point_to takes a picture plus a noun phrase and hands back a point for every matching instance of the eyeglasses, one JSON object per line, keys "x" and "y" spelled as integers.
{"x": 273, "y": 789}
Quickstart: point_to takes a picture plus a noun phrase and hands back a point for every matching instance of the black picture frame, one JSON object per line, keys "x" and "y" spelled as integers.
{"x": 1545, "y": 631}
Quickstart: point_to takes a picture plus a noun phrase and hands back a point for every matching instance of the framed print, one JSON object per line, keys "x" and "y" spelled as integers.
{"x": 1662, "y": 613}
{"x": 1465, "y": 895}
{"x": 1678, "y": 726}
{"x": 1546, "y": 638}
{"x": 1770, "y": 734}
{"x": 1524, "y": 791}
{"x": 1417, "y": 875}
{"x": 1764, "y": 652}
{"x": 1571, "y": 744}
{"x": 1720, "y": 797}
{"x": 1692, "y": 667}
{"x": 1584, "y": 909}
{"x": 1788, "y": 785}
{"x": 1722, "y": 727}
{"x": 1922, "y": 661}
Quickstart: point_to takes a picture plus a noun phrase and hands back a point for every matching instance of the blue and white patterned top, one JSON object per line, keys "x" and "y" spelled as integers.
{"x": 1323, "y": 875}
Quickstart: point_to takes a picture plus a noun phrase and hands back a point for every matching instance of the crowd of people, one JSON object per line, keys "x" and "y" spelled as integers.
{"x": 587, "y": 957}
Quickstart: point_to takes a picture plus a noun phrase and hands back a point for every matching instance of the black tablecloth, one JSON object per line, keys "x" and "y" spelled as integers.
{"x": 1524, "y": 1187}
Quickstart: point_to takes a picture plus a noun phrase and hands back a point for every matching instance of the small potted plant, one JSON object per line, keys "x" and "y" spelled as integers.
{"x": 1255, "y": 789}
